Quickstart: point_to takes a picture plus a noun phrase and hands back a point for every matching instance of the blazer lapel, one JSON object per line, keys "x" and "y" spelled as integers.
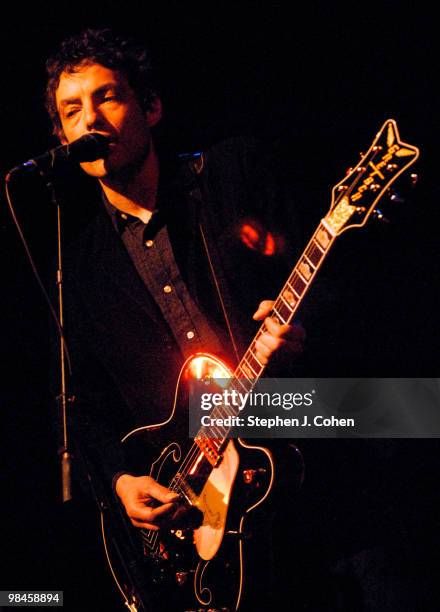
{"x": 108, "y": 265}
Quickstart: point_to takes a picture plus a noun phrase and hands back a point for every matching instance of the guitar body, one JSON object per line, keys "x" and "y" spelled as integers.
{"x": 201, "y": 567}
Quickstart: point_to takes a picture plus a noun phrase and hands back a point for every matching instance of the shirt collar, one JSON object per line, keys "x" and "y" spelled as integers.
{"x": 175, "y": 180}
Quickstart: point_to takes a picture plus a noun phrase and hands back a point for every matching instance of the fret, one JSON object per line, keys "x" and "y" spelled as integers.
{"x": 327, "y": 226}
{"x": 243, "y": 381}
{"x": 217, "y": 431}
{"x": 301, "y": 276}
{"x": 251, "y": 358}
{"x": 309, "y": 261}
{"x": 249, "y": 365}
{"x": 299, "y": 285}
{"x": 304, "y": 269}
{"x": 278, "y": 316}
{"x": 285, "y": 303}
{"x": 318, "y": 242}
{"x": 292, "y": 288}
{"x": 288, "y": 296}
{"x": 205, "y": 438}
{"x": 314, "y": 253}
{"x": 284, "y": 310}
{"x": 246, "y": 371}
{"x": 218, "y": 411}
{"x": 236, "y": 385}
{"x": 240, "y": 382}
{"x": 228, "y": 411}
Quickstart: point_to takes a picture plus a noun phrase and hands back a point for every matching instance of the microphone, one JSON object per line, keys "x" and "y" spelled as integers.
{"x": 87, "y": 148}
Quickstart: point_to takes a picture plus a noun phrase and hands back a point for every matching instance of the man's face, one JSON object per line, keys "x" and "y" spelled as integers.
{"x": 98, "y": 99}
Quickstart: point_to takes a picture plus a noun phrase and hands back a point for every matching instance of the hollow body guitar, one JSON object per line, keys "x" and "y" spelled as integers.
{"x": 224, "y": 480}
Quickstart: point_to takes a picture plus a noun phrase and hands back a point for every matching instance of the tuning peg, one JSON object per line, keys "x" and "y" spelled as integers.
{"x": 379, "y": 215}
{"x": 414, "y": 179}
{"x": 396, "y": 198}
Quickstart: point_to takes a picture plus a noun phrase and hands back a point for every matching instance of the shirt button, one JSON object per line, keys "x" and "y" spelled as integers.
{"x": 149, "y": 243}
{"x": 190, "y": 335}
{"x": 167, "y": 289}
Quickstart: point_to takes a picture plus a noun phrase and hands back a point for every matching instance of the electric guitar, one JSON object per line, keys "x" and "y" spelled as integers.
{"x": 202, "y": 568}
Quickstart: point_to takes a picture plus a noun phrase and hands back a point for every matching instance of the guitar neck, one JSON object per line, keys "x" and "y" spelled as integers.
{"x": 249, "y": 370}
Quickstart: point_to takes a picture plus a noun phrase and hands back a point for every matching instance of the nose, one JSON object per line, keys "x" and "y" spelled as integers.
{"x": 92, "y": 117}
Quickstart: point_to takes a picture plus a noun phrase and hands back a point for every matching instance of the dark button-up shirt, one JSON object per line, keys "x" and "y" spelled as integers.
{"x": 150, "y": 249}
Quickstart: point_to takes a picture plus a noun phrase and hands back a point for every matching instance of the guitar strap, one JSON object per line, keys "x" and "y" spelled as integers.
{"x": 199, "y": 199}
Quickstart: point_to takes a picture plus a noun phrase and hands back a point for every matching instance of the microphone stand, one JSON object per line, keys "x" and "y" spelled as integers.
{"x": 89, "y": 147}
{"x": 64, "y": 398}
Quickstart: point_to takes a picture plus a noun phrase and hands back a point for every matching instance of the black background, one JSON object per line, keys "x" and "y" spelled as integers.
{"x": 321, "y": 79}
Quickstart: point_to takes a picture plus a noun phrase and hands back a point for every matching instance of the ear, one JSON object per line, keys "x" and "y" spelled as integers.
{"x": 154, "y": 114}
{"x": 59, "y": 133}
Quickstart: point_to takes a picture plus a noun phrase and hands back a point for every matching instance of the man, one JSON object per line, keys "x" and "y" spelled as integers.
{"x": 152, "y": 279}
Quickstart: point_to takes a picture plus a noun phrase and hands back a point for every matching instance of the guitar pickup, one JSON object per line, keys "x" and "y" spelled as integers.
{"x": 207, "y": 446}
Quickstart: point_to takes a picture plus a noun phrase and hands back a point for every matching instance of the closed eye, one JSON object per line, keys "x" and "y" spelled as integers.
{"x": 71, "y": 112}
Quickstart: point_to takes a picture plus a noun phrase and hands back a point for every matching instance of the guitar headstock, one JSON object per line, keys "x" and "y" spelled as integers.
{"x": 355, "y": 198}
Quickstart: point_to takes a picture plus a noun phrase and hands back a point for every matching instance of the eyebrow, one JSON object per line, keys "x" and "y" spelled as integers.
{"x": 103, "y": 88}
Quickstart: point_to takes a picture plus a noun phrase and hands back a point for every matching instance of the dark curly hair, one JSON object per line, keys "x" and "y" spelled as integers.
{"x": 101, "y": 46}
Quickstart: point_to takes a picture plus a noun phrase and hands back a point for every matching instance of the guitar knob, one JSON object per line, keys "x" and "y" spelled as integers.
{"x": 182, "y": 577}
{"x": 253, "y": 476}
{"x": 379, "y": 215}
{"x": 396, "y": 198}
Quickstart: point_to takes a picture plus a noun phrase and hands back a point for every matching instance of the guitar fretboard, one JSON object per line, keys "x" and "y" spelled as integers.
{"x": 249, "y": 370}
